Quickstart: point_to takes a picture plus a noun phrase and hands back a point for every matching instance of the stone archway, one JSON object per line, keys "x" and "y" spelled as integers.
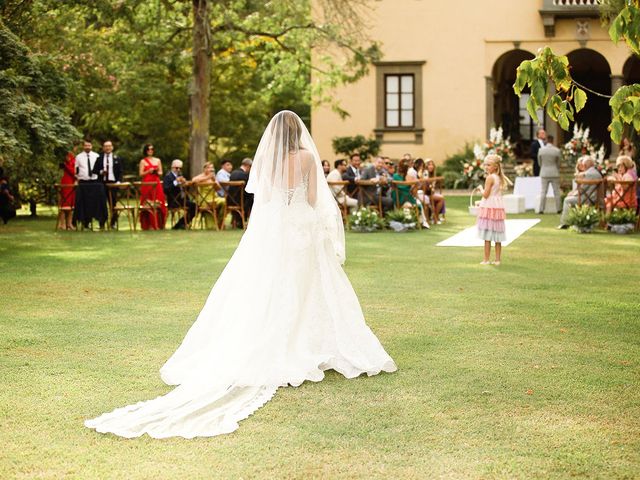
{"x": 591, "y": 69}
{"x": 631, "y": 70}
{"x": 509, "y": 110}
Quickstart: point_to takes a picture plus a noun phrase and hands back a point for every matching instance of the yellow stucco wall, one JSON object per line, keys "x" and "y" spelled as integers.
{"x": 459, "y": 41}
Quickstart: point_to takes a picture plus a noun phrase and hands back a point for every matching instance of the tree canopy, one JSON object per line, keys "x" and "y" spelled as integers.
{"x": 124, "y": 71}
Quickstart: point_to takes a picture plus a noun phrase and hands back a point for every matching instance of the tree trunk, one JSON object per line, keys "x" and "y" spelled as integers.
{"x": 199, "y": 108}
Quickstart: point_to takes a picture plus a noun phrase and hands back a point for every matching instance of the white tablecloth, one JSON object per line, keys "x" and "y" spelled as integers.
{"x": 529, "y": 188}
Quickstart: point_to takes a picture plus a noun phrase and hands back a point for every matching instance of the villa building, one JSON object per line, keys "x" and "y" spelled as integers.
{"x": 448, "y": 69}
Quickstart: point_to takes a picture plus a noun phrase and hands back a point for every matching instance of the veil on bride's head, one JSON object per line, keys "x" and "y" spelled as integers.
{"x": 286, "y": 159}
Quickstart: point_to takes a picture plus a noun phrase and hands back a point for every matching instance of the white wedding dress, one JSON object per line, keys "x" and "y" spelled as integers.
{"x": 282, "y": 311}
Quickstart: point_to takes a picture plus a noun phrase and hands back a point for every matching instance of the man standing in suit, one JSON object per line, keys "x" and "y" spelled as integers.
{"x": 241, "y": 173}
{"x": 108, "y": 167}
{"x": 549, "y": 160}
{"x": 538, "y": 143}
{"x": 378, "y": 174}
{"x": 588, "y": 193}
{"x": 91, "y": 201}
{"x": 352, "y": 174}
{"x": 172, "y": 184}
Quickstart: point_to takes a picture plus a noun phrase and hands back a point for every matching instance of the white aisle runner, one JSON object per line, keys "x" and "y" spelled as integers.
{"x": 469, "y": 236}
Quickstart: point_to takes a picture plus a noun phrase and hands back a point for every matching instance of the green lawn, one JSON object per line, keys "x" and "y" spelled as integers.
{"x": 527, "y": 370}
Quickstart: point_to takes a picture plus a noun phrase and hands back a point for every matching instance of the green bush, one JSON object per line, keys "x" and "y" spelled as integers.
{"x": 366, "y": 147}
{"x": 622, "y": 216}
{"x": 584, "y": 216}
{"x": 453, "y": 165}
{"x": 365, "y": 220}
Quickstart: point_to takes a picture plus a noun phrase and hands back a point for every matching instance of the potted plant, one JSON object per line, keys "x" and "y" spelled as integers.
{"x": 402, "y": 219}
{"x": 622, "y": 220}
{"x": 583, "y": 219}
{"x": 365, "y": 219}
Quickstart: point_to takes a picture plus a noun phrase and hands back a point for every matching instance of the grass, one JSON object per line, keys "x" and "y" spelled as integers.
{"x": 527, "y": 370}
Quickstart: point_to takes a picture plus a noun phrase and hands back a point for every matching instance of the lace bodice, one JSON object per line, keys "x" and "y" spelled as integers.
{"x": 299, "y": 193}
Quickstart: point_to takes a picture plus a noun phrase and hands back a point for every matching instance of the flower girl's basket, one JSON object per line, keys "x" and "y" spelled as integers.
{"x": 473, "y": 206}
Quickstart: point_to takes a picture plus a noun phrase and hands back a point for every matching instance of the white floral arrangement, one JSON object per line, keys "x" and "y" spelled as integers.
{"x": 524, "y": 170}
{"x": 581, "y": 144}
{"x": 365, "y": 220}
{"x": 496, "y": 144}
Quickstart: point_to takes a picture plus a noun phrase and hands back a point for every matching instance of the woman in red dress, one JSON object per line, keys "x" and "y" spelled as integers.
{"x": 151, "y": 195}
{"x": 67, "y": 193}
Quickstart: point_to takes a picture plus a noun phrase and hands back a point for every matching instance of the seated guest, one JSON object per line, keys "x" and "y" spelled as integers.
{"x": 326, "y": 167}
{"x": 405, "y": 197}
{"x": 224, "y": 174}
{"x": 588, "y": 194}
{"x": 352, "y": 173}
{"x": 378, "y": 174}
{"x": 242, "y": 174}
{"x": 438, "y": 198}
{"x": 335, "y": 175}
{"x": 208, "y": 197}
{"x": 172, "y": 184}
{"x": 622, "y": 196}
{"x": 7, "y": 208}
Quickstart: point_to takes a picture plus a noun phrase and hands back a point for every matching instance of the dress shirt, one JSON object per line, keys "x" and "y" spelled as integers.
{"x": 108, "y": 165}
{"x": 222, "y": 176}
{"x": 84, "y": 165}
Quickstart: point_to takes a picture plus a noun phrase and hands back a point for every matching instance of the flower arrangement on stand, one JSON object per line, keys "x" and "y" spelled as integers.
{"x": 524, "y": 170}
{"x": 581, "y": 144}
{"x": 622, "y": 220}
{"x": 366, "y": 220}
{"x": 402, "y": 219}
{"x": 583, "y": 219}
{"x": 472, "y": 172}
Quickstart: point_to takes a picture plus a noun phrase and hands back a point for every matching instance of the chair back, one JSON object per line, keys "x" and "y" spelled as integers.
{"x": 590, "y": 192}
{"x": 64, "y": 192}
{"x": 369, "y": 194}
{"x": 234, "y": 199}
{"x": 624, "y": 193}
{"x": 339, "y": 191}
{"x": 122, "y": 198}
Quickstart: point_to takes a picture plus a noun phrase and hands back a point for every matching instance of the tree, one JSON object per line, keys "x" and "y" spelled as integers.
{"x": 548, "y": 71}
{"x": 34, "y": 123}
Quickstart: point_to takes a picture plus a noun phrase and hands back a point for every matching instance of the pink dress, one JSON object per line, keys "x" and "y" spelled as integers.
{"x": 491, "y": 214}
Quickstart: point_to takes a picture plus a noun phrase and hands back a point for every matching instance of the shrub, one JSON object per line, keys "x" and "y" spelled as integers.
{"x": 365, "y": 220}
{"x": 583, "y": 217}
{"x": 622, "y": 216}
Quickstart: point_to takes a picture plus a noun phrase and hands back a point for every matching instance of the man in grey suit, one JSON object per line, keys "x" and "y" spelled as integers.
{"x": 588, "y": 193}
{"x": 549, "y": 160}
{"x": 378, "y": 174}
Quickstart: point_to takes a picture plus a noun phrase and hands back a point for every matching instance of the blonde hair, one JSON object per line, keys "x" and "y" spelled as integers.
{"x": 626, "y": 161}
{"x": 497, "y": 160}
{"x": 206, "y": 165}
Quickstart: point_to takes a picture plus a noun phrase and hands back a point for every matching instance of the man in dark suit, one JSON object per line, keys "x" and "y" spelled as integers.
{"x": 536, "y": 144}
{"x": 352, "y": 174}
{"x": 108, "y": 167}
{"x": 241, "y": 173}
{"x": 176, "y": 198}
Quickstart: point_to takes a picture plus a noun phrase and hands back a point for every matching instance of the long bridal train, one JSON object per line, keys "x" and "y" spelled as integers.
{"x": 282, "y": 312}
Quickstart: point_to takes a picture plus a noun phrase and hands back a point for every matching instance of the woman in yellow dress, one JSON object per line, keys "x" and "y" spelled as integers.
{"x": 207, "y": 198}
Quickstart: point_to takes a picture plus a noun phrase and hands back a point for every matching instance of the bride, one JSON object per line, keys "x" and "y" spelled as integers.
{"x": 300, "y": 317}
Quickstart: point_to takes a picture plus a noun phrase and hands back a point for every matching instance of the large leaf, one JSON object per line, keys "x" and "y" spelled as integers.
{"x": 579, "y": 99}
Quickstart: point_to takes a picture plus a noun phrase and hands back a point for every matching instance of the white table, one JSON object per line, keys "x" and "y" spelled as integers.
{"x": 529, "y": 188}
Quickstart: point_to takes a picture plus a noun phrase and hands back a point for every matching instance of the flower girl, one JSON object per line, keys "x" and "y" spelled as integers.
{"x": 491, "y": 212}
